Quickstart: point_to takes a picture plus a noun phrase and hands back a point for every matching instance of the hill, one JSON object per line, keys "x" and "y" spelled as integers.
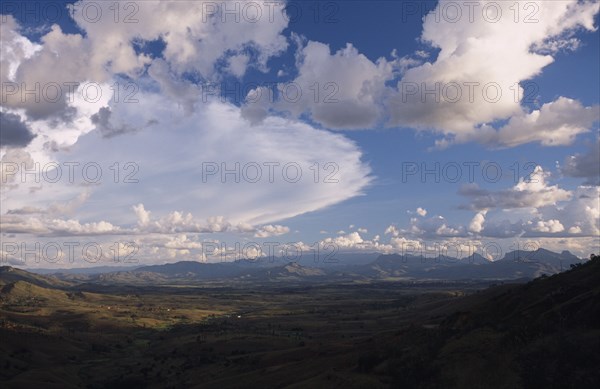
{"x": 543, "y": 334}
{"x": 10, "y": 274}
{"x": 19, "y": 292}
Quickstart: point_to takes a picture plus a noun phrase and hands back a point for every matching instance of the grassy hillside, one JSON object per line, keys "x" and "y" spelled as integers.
{"x": 10, "y": 274}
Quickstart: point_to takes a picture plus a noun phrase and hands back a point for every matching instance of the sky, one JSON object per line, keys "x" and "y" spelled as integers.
{"x": 145, "y": 132}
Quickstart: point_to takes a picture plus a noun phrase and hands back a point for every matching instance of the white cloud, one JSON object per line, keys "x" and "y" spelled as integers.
{"x": 476, "y": 224}
{"x": 271, "y": 230}
{"x": 178, "y": 222}
{"x": 218, "y": 135}
{"x": 354, "y": 242}
{"x": 392, "y": 230}
{"x": 215, "y": 133}
{"x": 553, "y": 46}
{"x": 530, "y": 212}
{"x": 182, "y": 242}
{"x": 533, "y": 192}
{"x": 196, "y": 33}
{"x": 585, "y": 165}
{"x": 238, "y": 64}
{"x": 195, "y": 37}
{"x": 434, "y": 227}
{"x": 552, "y": 226}
{"x": 421, "y": 211}
{"x": 18, "y": 224}
{"x": 340, "y": 90}
{"x": 581, "y": 213}
{"x": 498, "y": 55}
{"x": 143, "y": 216}
{"x": 554, "y": 124}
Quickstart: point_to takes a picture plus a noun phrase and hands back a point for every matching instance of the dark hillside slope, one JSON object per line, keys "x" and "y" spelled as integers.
{"x": 543, "y": 334}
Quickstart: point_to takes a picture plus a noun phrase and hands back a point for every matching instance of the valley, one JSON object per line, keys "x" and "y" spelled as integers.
{"x": 295, "y": 334}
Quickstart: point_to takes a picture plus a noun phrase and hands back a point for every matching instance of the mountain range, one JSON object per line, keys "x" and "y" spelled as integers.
{"x": 514, "y": 265}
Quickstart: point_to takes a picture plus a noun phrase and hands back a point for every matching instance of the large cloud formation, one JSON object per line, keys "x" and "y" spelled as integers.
{"x": 485, "y": 51}
{"x": 166, "y": 116}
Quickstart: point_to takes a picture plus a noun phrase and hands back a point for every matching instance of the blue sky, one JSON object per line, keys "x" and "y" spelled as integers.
{"x": 163, "y": 119}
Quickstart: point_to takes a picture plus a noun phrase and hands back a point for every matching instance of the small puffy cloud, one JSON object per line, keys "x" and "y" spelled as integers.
{"x": 551, "y": 226}
{"x": 434, "y": 227}
{"x": 271, "y": 230}
{"x": 403, "y": 245}
{"x": 476, "y": 224}
{"x": 585, "y": 165}
{"x": 392, "y": 230}
{"x": 182, "y": 242}
{"x": 354, "y": 242}
{"x": 237, "y": 65}
{"x": 421, "y": 211}
{"x": 348, "y": 240}
{"x": 143, "y": 216}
